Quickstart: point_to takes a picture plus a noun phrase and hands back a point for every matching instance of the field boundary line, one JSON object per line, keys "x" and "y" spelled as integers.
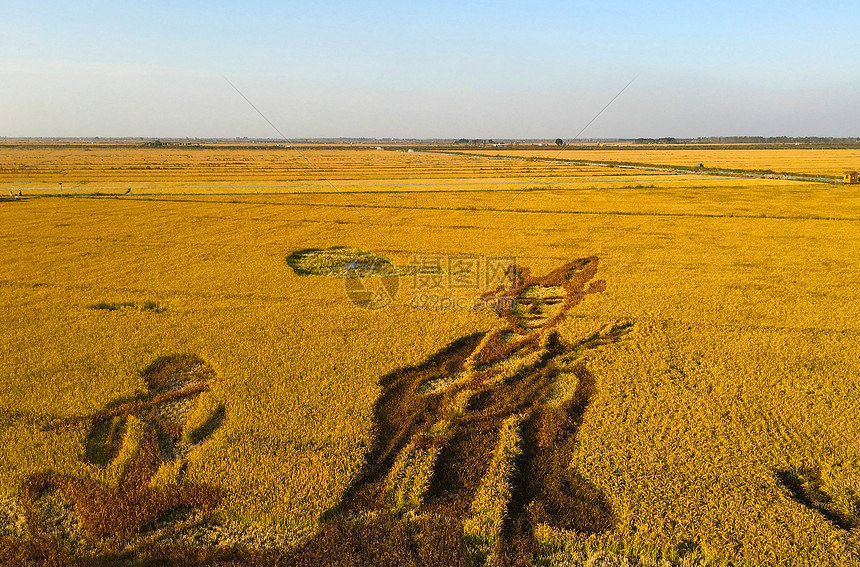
{"x": 388, "y": 183}
{"x": 167, "y": 198}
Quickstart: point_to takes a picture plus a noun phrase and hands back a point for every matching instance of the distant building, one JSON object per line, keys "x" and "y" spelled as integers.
{"x": 851, "y": 177}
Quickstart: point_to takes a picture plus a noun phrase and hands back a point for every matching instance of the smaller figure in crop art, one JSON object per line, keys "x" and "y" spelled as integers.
{"x": 482, "y": 434}
{"x": 140, "y": 446}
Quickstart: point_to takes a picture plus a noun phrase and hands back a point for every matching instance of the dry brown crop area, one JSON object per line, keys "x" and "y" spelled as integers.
{"x": 669, "y": 372}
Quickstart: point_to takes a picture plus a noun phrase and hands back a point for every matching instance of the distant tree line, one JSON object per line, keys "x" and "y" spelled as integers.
{"x": 475, "y": 142}
{"x": 775, "y": 140}
{"x": 657, "y": 140}
{"x": 749, "y": 140}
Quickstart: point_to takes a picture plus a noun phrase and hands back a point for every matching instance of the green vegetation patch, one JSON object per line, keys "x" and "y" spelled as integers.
{"x": 339, "y": 261}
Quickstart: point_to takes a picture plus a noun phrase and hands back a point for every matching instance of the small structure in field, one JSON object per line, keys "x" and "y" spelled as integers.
{"x": 851, "y": 177}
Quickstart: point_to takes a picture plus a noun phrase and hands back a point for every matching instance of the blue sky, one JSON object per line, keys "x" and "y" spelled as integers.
{"x": 444, "y": 69}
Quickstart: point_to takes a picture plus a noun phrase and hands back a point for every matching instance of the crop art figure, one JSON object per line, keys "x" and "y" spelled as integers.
{"x": 484, "y": 431}
{"x": 141, "y": 446}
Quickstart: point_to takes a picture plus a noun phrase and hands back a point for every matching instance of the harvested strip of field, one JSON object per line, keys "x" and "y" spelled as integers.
{"x": 823, "y": 161}
{"x": 100, "y": 169}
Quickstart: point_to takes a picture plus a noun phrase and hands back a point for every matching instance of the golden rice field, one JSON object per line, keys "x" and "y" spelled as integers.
{"x": 739, "y": 373}
{"x": 112, "y": 169}
{"x": 824, "y": 161}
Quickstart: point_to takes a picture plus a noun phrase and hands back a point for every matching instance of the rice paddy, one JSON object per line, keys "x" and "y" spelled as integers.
{"x": 820, "y": 161}
{"x": 665, "y": 366}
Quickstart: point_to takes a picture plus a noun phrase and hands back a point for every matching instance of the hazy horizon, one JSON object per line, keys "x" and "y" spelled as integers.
{"x": 442, "y": 71}
{"x": 464, "y": 139}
